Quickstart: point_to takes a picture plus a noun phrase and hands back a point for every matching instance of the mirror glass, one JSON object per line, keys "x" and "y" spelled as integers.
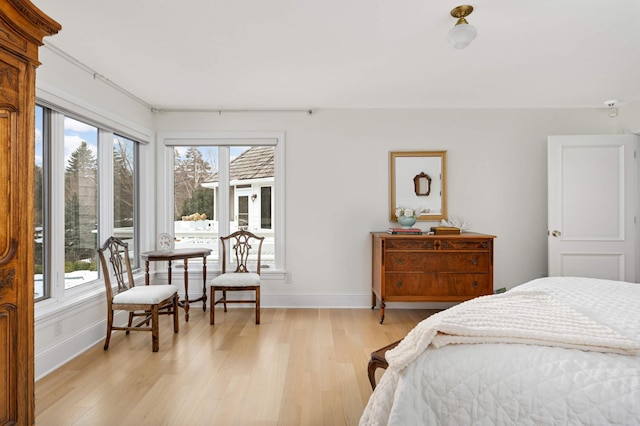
{"x": 418, "y": 181}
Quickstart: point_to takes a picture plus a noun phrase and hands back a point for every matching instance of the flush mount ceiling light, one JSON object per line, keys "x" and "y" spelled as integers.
{"x": 462, "y": 34}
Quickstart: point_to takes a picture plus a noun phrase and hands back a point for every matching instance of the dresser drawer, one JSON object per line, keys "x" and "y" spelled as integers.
{"x": 410, "y": 261}
{"x": 409, "y": 284}
{"x": 462, "y": 244}
{"x": 466, "y": 284}
{"x": 437, "y": 285}
{"x": 465, "y": 262}
{"x": 410, "y": 244}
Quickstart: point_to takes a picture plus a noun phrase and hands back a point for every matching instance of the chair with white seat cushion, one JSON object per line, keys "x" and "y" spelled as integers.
{"x": 243, "y": 248}
{"x": 147, "y": 301}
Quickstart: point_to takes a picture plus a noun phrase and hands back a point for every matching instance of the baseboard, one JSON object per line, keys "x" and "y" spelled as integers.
{"x": 68, "y": 348}
{"x": 347, "y": 301}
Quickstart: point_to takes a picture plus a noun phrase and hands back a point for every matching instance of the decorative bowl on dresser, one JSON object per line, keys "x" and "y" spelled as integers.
{"x": 430, "y": 268}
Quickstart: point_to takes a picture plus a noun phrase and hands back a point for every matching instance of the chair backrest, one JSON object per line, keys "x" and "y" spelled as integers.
{"x": 241, "y": 244}
{"x": 117, "y": 251}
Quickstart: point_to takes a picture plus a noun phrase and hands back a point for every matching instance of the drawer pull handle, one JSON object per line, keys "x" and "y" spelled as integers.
{"x": 399, "y": 261}
{"x": 485, "y": 245}
{"x": 475, "y": 284}
{"x": 399, "y": 284}
{"x": 474, "y": 260}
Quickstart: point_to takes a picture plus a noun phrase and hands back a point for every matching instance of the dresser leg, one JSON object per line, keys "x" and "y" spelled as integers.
{"x": 382, "y": 305}
{"x": 373, "y": 300}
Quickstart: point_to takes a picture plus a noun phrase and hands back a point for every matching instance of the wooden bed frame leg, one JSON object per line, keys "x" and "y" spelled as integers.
{"x": 378, "y": 360}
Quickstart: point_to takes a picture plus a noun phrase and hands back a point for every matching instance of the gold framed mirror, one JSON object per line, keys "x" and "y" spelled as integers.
{"x": 418, "y": 180}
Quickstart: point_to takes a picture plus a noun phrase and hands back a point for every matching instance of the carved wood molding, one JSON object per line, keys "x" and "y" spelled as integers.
{"x": 6, "y": 279}
{"x": 8, "y": 89}
{"x": 11, "y": 252}
{"x": 47, "y": 25}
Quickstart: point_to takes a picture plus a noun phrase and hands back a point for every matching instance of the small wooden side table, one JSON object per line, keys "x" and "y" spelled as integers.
{"x": 181, "y": 254}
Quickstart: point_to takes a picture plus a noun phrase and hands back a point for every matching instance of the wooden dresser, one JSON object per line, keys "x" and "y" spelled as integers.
{"x": 430, "y": 268}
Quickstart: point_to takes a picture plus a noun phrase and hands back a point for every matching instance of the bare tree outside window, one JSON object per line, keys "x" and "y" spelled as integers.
{"x": 191, "y": 170}
{"x": 124, "y": 196}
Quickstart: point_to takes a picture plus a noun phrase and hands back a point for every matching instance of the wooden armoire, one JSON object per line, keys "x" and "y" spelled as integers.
{"x": 22, "y": 29}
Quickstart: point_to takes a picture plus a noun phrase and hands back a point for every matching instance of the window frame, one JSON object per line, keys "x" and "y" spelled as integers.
{"x": 134, "y": 250}
{"x": 224, "y": 141}
{"x": 54, "y": 210}
{"x": 46, "y": 200}
{"x": 58, "y": 142}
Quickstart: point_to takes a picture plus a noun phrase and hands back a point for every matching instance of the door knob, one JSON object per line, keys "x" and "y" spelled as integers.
{"x": 556, "y": 233}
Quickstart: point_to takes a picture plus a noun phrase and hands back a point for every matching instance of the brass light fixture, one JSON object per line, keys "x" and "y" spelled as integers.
{"x": 462, "y": 34}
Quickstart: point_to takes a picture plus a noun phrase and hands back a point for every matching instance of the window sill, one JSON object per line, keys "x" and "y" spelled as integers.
{"x": 93, "y": 292}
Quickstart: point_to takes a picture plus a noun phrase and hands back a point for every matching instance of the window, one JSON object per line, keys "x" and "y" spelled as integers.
{"x": 80, "y": 202}
{"x": 197, "y": 178}
{"x": 266, "y": 203}
{"x": 234, "y": 182}
{"x": 125, "y": 194}
{"x": 95, "y": 173}
{"x": 41, "y": 291}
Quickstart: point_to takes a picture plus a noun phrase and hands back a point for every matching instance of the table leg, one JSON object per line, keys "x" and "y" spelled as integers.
{"x": 204, "y": 283}
{"x": 146, "y": 272}
{"x": 186, "y": 290}
{"x": 169, "y": 272}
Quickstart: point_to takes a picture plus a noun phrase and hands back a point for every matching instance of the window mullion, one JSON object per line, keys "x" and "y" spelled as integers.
{"x": 55, "y": 242}
{"x": 105, "y": 185}
{"x": 224, "y": 201}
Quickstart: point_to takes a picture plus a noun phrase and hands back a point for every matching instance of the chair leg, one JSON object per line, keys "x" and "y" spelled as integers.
{"x": 224, "y": 299}
{"x": 109, "y": 325}
{"x": 176, "y": 322}
{"x": 257, "y": 305}
{"x": 212, "y": 308}
{"x": 130, "y": 322}
{"x": 155, "y": 341}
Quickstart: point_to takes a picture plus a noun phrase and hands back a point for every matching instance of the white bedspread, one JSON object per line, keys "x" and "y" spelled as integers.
{"x": 552, "y": 351}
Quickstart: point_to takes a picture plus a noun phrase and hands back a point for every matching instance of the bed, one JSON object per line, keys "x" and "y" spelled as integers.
{"x": 561, "y": 350}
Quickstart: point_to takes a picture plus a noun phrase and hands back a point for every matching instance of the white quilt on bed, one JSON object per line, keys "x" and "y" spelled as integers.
{"x": 538, "y": 377}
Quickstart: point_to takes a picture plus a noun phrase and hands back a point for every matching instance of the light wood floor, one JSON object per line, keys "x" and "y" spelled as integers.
{"x": 298, "y": 367}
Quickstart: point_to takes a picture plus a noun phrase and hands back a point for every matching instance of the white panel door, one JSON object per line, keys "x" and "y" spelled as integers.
{"x": 591, "y": 190}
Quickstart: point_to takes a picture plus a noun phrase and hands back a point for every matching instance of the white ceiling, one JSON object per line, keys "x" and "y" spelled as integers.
{"x": 356, "y": 53}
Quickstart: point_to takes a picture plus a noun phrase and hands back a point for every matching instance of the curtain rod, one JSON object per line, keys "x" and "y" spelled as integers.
{"x": 96, "y": 75}
{"x": 220, "y": 111}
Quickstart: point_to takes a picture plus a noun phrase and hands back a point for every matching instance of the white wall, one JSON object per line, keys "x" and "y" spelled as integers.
{"x": 58, "y": 76}
{"x": 337, "y": 184}
{"x": 337, "y": 188}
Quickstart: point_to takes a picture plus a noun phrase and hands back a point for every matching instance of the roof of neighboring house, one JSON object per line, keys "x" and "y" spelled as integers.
{"x": 255, "y": 163}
